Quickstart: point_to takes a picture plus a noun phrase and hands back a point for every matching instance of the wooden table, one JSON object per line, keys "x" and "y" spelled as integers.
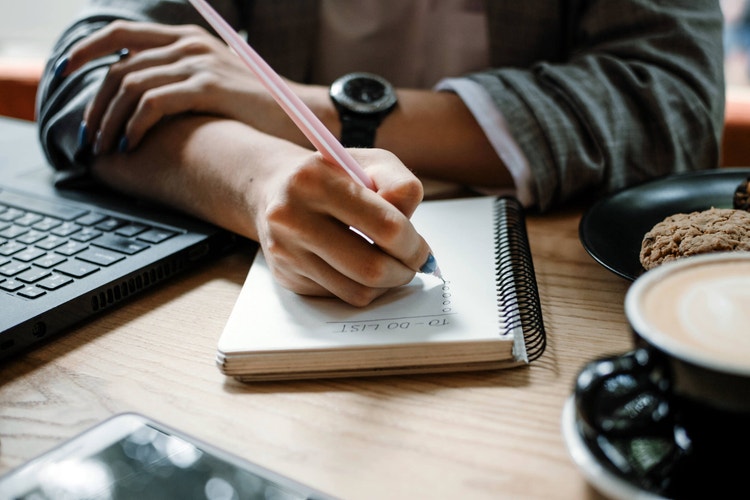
{"x": 472, "y": 435}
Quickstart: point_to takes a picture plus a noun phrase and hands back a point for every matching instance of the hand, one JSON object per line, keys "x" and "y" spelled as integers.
{"x": 304, "y": 228}
{"x": 168, "y": 70}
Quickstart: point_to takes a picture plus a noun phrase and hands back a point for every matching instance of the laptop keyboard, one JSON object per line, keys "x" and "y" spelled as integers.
{"x": 46, "y": 246}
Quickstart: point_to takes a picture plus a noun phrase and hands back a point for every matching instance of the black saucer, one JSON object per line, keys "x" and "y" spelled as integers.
{"x": 612, "y": 229}
{"x": 601, "y": 477}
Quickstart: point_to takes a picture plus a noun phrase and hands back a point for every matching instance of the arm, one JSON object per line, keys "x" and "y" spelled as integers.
{"x": 285, "y": 197}
{"x": 297, "y": 206}
{"x": 636, "y": 92}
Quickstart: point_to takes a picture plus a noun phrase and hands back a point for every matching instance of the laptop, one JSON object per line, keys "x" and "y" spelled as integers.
{"x": 67, "y": 255}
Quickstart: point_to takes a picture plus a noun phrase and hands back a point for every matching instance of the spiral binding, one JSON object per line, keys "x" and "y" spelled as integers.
{"x": 514, "y": 273}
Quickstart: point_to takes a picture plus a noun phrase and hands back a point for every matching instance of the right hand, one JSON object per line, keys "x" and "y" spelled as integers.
{"x": 304, "y": 228}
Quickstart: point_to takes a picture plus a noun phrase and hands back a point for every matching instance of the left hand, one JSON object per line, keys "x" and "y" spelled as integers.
{"x": 168, "y": 70}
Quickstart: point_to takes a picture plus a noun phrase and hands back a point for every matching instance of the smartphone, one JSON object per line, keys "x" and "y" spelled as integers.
{"x": 130, "y": 456}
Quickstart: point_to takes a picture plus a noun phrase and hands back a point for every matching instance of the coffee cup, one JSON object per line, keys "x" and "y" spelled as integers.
{"x": 673, "y": 415}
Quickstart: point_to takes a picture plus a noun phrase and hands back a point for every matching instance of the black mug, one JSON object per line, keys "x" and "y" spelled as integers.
{"x": 673, "y": 416}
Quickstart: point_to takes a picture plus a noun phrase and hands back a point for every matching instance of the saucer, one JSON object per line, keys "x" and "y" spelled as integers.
{"x": 601, "y": 478}
{"x": 612, "y": 229}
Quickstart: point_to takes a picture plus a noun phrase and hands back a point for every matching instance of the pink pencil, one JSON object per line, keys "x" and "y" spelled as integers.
{"x": 306, "y": 121}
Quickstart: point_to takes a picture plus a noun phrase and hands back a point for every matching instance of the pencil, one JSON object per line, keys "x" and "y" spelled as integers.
{"x": 309, "y": 124}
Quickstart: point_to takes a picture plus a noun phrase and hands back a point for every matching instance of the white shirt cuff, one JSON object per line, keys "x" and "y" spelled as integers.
{"x": 495, "y": 127}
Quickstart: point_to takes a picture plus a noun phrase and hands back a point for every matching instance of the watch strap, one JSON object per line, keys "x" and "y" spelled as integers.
{"x": 358, "y": 131}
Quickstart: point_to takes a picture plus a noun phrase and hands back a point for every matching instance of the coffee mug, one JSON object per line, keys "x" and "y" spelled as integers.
{"x": 673, "y": 415}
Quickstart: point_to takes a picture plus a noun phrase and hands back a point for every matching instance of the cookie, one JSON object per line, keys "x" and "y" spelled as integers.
{"x": 741, "y": 200}
{"x": 682, "y": 235}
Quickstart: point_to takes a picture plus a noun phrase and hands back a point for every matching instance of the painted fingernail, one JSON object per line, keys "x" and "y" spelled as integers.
{"x": 123, "y": 53}
{"x": 83, "y": 135}
{"x": 60, "y": 67}
{"x": 123, "y": 145}
{"x": 98, "y": 143}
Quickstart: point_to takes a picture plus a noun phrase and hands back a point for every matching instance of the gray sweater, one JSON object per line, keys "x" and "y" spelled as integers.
{"x": 599, "y": 94}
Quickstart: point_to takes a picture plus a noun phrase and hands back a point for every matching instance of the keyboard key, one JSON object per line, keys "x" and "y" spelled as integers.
{"x": 86, "y": 234}
{"x": 51, "y": 242}
{"x": 76, "y": 268}
{"x": 47, "y": 224}
{"x": 119, "y": 244}
{"x": 11, "y": 214}
{"x": 11, "y": 285}
{"x": 32, "y": 275}
{"x": 54, "y": 282}
{"x": 156, "y": 235}
{"x": 110, "y": 224}
{"x": 100, "y": 256}
{"x": 13, "y": 231}
{"x": 31, "y": 292}
{"x": 49, "y": 260}
{"x": 29, "y": 254}
{"x": 28, "y": 219}
{"x": 10, "y": 247}
{"x": 66, "y": 229}
{"x": 131, "y": 230}
{"x": 13, "y": 267}
{"x": 71, "y": 248}
{"x": 90, "y": 219}
{"x": 31, "y": 237}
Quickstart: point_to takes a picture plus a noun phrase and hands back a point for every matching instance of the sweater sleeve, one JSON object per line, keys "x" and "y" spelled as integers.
{"x": 61, "y": 101}
{"x": 638, "y": 93}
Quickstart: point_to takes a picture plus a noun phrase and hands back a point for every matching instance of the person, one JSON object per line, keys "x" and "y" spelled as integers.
{"x": 548, "y": 100}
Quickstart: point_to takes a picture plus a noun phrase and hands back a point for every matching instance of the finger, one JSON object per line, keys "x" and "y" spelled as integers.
{"x": 380, "y": 221}
{"x": 321, "y": 280}
{"x": 168, "y": 99}
{"x": 309, "y": 227}
{"x": 134, "y": 89}
{"x": 92, "y": 115}
{"x": 111, "y": 85}
{"x": 393, "y": 233}
{"x": 117, "y": 35}
{"x": 393, "y": 181}
{"x": 353, "y": 256}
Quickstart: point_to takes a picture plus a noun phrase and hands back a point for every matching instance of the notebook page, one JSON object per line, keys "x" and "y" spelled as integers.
{"x": 268, "y": 317}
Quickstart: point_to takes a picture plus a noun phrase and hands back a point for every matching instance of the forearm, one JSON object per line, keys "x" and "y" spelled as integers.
{"x": 433, "y": 133}
{"x": 208, "y": 167}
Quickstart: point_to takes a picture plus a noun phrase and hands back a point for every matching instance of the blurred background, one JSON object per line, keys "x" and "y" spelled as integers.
{"x": 28, "y": 28}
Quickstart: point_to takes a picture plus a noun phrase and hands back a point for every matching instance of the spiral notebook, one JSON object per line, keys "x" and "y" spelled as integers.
{"x": 485, "y": 315}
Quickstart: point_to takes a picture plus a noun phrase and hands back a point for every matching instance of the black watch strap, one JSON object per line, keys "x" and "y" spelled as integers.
{"x": 358, "y": 131}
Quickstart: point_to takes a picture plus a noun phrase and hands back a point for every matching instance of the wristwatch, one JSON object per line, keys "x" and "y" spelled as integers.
{"x": 362, "y": 100}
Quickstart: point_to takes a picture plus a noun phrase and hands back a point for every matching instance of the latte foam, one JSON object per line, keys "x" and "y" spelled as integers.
{"x": 703, "y": 308}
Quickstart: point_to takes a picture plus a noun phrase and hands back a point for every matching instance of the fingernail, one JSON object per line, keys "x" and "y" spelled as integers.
{"x": 98, "y": 143}
{"x": 122, "y": 146}
{"x": 83, "y": 135}
{"x": 60, "y": 67}
{"x": 123, "y": 53}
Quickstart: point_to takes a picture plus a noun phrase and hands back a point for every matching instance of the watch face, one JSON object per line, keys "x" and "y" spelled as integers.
{"x": 363, "y": 93}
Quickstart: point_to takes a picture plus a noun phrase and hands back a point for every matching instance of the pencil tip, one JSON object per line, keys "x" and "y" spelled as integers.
{"x": 431, "y": 267}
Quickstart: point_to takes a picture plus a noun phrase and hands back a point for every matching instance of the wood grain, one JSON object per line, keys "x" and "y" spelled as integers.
{"x": 472, "y": 435}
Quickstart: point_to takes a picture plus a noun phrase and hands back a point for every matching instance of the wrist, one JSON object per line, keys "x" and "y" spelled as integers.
{"x": 316, "y": 98}
{"x": 362, "y": 101}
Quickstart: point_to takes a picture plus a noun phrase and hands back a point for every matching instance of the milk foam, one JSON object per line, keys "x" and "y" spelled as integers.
{"x": 717, "y": 311}
{"x": 704, "y": 308}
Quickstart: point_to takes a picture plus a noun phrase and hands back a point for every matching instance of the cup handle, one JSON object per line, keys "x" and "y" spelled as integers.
{"x": 624, "y": 396}
{"x": 625, "y": 417}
